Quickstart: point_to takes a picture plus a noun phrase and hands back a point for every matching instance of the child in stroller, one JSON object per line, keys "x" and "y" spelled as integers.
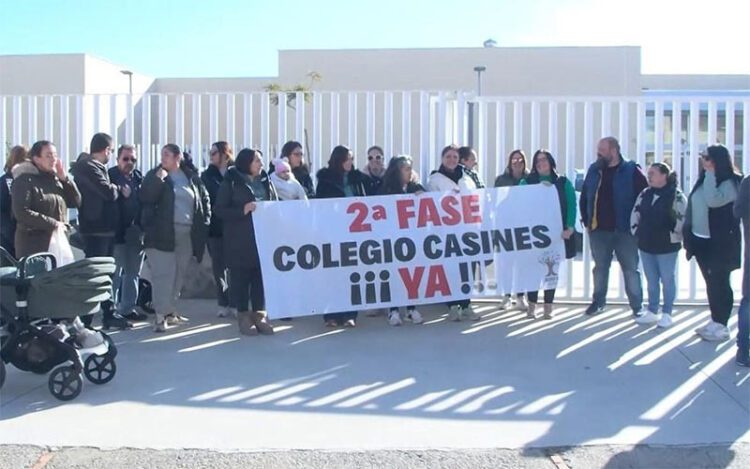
{"x": 39, "y": 325}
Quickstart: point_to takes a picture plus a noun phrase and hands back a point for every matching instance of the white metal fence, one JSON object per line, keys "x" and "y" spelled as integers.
{"x": 419, "y": 123}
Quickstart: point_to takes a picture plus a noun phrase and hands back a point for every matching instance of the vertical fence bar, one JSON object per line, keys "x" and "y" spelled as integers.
{"x": 746, "y": 137}
{"x": 534, "y": 126}
{"x": 351, "y": 103}
{"x": 64, "y": 126}
{"x": 552, "y": 140}
{"x": 711, "y": 122}
{"x": 482, "y": 140}
{"x": 179, "y": 120}
{"x": 624, "y": 127}
{"x": 500, "y": 140}
{"x": 607, "y": 119}
{"x": 49, "y": 121}
{"x": 406, "y": 123}
{"x": 424, "y": 133}
{"x": 164, "y": 124}
{"x": 517, "y": 124}
{"x": 370, "y": 119}
{"x": 78, "y": 145}
{"x": 729, "y": 121}
{"x": 197, "y": 139}
{"x": 147, "y": 157}
{"x": 264, "y": 124}
{"x": 129, "y": 118}
{"x": 640, "y": 144}
{"x": 462, "y": 118}
{"x": 97, "y": 105}
{"x": 4, "y": 125}
{"x": 231, "y": 118}
{"x": 299, "y": 117}
{"x": 388, "y": 123}
{"x": 335, "y": 115}
{"x": 442, "y": 121}
{"x": 570, "y": 164}
{"x": 693, "y": 138}
{"x": 588, "y": 132}
{"x": 247, "y": 124}
{"x": 317, "y": 131}
{"x": 281, "y": 122}
{"x": 213, "y": 118}
{"x": 113, "y": 120}
{"x": 659, "y": 131}
{"x": 32, "y": 115}
{"x": 17, "y": 121}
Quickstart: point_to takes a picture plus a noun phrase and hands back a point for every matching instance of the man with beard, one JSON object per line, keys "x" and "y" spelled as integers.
{"x": 610, "y": 189}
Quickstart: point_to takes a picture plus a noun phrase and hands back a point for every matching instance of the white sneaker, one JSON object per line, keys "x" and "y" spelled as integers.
{"x": 665, "y": 321}
{"x": 648, "y": 318}
{"x": 471, "y": 314}
{"x": 504, "y": 302}
{"x": 223, "y": 312}
{"x": 720, "y": 333}
{"x": 394, "y": 318}
{"x": 414, "y": 316}
{"x": 706, "y": 327}
{"x": 454, "y": 314}
{"x": 521, "y": 304}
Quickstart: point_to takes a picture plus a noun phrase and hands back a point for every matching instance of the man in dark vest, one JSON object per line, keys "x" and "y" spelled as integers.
{"x": 610, "y": 189}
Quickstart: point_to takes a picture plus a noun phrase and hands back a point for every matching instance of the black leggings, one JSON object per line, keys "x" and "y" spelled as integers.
{"x": 718, "y": 288}
{"x": 246, "y": 288}
{"x": 549, "y": 296}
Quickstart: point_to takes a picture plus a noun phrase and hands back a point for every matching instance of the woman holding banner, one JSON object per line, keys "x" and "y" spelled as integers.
{"x": 243, "y": 186}
{"x": 399, "y": 179}
{"x": 450, "y": 176}
{"x": 544, "y": 170}
{"x": 515, "y": 172}
{"x": 340, "y": 179}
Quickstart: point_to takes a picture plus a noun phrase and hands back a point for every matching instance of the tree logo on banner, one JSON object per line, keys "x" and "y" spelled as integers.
{"x": 551, "y": 260}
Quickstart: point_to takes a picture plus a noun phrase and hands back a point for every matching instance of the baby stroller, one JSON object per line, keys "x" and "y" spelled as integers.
{"x": 37, "y": 303}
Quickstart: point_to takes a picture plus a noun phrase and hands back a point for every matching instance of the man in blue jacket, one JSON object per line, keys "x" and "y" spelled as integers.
{"x": 610, "y": 189}
{"x": 128, "y": 250}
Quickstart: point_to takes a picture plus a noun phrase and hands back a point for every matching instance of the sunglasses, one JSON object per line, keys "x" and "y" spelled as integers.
{"x": 376, "y": 157}
{"x": 128, "y": 159}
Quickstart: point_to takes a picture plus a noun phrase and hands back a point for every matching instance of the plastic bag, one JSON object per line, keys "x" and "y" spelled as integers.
{"x": 59, "y": 246}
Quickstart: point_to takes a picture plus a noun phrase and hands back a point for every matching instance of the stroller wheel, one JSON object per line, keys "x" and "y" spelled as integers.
{"x": 64, "y": 383}
{"x": 99, "y": 369}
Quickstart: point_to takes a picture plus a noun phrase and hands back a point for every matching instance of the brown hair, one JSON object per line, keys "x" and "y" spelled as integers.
{"x": 223, "y": 148}
{"x": 450, "y": 147}
{"x": 508, "y": 167}
{"x": 17, "y": 154}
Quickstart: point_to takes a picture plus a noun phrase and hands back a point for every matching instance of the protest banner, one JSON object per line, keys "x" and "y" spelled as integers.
{"x": 334, "y": 255}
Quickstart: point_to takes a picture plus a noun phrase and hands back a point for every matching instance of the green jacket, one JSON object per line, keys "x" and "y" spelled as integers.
{"x": 157, "y": 212}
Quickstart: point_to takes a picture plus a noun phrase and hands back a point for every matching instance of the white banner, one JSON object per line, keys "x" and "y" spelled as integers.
{"x": 334, "y": 255}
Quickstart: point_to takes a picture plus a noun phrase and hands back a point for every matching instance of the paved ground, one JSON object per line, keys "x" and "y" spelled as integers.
{"x": 504, "y": 392}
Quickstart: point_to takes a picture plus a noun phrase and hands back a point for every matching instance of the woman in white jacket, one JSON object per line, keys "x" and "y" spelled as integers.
{"x": 287, "y": 186}
{"x": 452, "y": 177}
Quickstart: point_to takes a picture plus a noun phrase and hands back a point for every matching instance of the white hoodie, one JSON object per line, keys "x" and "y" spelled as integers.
{"x": 288, "y": 190}
{"x": 438, "y": 182}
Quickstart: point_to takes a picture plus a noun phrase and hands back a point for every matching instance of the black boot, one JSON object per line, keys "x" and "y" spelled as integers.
{"x": 113, "y": 320}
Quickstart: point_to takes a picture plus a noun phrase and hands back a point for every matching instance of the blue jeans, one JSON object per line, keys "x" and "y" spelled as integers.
{"x": 625, "y": 246}
{"x": 660, "y": 272}
{"x": 129, "y": 260}
{"x": 743, "y": 327}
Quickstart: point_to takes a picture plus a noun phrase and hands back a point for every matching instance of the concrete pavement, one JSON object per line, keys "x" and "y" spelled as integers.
{"x": 505, "y": 382}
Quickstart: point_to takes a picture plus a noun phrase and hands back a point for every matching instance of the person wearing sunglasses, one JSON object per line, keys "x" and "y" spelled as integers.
{"x": 128, "y": 250}
{"x": 374, "y": 170}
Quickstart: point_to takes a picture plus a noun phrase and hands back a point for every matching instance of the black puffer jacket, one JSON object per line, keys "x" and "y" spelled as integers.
{"x": 98, "y": 211}
{"x": 331, "y": 184}
{"x": 212, "y": 179}
{"x": 240, "y": 250}
{"x": 157, "y": 212}
{"x": 128, "y": 208}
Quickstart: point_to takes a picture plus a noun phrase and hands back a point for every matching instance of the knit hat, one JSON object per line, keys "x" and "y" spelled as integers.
{"x": 281, "y": 165}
